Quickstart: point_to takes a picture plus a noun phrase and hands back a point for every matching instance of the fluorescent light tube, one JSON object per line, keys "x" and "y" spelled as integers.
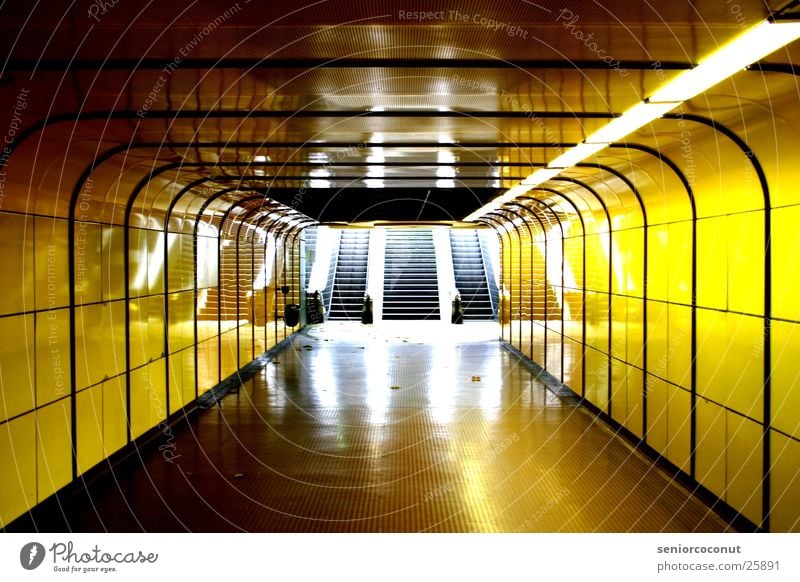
{"x": 541, "y": 175}
{"x": 576, "y": 154}
{"x": 744, "y": 50}
{"x": 492, "y": 205}
{"x": 637, "y": 116}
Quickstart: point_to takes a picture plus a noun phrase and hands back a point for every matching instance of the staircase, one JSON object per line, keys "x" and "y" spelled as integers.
{"x": 312, "y": 237}
{"x": 468, "y": 267}
{"x": 410, "y": 284}
{"x": 350, "y": 280}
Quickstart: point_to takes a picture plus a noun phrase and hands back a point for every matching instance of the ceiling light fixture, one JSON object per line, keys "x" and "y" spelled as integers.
{"x": 744, "y": 50}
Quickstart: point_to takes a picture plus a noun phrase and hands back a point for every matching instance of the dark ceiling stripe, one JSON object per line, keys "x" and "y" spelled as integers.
{"x": 397, "y": 63}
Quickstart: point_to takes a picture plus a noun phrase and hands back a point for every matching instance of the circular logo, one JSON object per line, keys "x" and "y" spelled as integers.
{"x": 31, "y": 555}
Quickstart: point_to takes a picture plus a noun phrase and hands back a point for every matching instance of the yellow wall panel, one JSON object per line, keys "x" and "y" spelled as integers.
{"x": 743, "y": 365}
{"x": 139, "y": 332}
{"x": 619, "y": 391}
{"x": 635, "y": 332}
{"x": 573, "y": 262}
{"x": 657, "y": 414}
{"x": 181, "y": 387}
{"x": 712, "y": 262}
{"x": 657, "y": 338}
{"x": 52, "y": 355}
{"x": 785, "y": 256}
{"x": 573, "y": 365}
{"x": 632, "y": 262}
{"x": 245, "y": 344}
{"x": 679, "y": 346}
{"x": 619, "y": 332}
{"x": 148, "y": 397}
{"x": 137, "y": 261}
{"x": 730, "y": 360}
{"x": 188, "y": 366}
{"x": 635, "y": 400}
{"x": 785, "y": 484}
{"x": 229, "y": 356}
{"x": 744, "y": 466}
{"x": 52, "y": 263}
{"x": 620, "y": 248}
{"x": 100, "y": 342}
{"x": 711, "y": 444}
{"x": 181, "y": 321}
{"x": 16, "y": 365}
{"x": 657, "y": 258}
{"x": 596, "y": 390}
{"x": 54, "y": 448}
{"x": 679, "y": 262}
{"x": 89, "y": 426}
{"x": 16, "y": 262}
{"x": 207, "y": 365}
{"x": 115, "y": 420}
{"x": 746, "y": 263}
{"x": 17, "y": 467}
{"x": 88, "y": 262}
{"x": 113, "y": 268}
{"x": 786, "y": 377}
{"x": 155, "y": 328}
{"x": 679, "y": 408}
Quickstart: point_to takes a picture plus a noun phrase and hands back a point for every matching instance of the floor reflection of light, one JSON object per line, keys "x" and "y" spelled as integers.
{"x": 327, "y": 393}
{"x": 477, "y": 500}
{"x": 491, "y": 387}
{"x": 443, "y": 378}
{"x": 377, "y": 380}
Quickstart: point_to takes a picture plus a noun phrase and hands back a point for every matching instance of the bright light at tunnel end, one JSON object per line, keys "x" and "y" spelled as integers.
{"x": 741, "y": 52}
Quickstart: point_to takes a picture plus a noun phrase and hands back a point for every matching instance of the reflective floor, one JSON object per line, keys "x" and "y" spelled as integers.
{"x": 423, "y": 427}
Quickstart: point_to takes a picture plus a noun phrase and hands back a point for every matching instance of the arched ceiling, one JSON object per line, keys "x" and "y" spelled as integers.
{"x": 349, "y": 110}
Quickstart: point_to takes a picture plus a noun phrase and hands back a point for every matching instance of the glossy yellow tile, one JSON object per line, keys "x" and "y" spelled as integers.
{"x": 54, "y": 448}
{"x": 744, "y": 466}
{"x": 746, "y": 263}
{"x": 52, "y": 263}
{"x": 115, "y": 418}
{"x": 16, "y": 240}
{"x": 17, "y": 392}
{"x": 785, "y": 246}
{"x": 784, "y": 484}
{"x": 89, "y": 427}
{"x": 711, "y": 444}
{"x": 786, "y": 377}
{"x": 712, "y": 262}
{"x": 52, "y": 355}
{"x": 17, "y": 467}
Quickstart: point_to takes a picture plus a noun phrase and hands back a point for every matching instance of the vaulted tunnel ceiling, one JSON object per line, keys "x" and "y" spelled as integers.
{"x": 354, "y": 111}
